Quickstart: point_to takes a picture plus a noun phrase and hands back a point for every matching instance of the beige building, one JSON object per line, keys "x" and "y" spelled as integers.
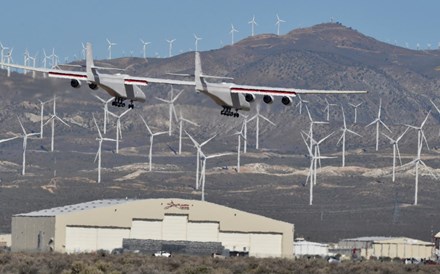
{"x": 392, "y": 247}
{"x": 5, "y": 240}
{"x": 103, "y": 224}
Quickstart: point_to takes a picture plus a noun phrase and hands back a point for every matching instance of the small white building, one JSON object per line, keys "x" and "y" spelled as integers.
{"x": 5, "y": 240}
{"x": 306, "y": 248}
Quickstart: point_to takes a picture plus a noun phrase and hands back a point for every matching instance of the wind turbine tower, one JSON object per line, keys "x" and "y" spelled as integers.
{"x": 197, "y": 39}
{"x": 253, "y": 24}
{"x": 355, "y": 111}
{"x": 278, "y": 23}
{"x": 118, "y": 126}
{"x": 232, "y": 33}
{"x": 150, "y": 155}
{"x": 98, "y": 156}
{"x": 344, "y": 130}
{"x": 257, "y": 117}
{"x": 52, "y": 119}
{"x": 144, "y": 47}
{"x": 105, "y": 102}
{"x": 396, "y": 151}
{"x": 203, "y": 172}
{"x": 170, "y": 42}
{"x": 327, "y": 109}
{"x": 42, "y": 116}
{"x": 25, "y": 138}
{"x": 110, "y": 45}
{"x": 378, "y": 121}
{"x": 172, "y": 109}
{"x": 181, "y": 121}
{"x": 198, "y": 146}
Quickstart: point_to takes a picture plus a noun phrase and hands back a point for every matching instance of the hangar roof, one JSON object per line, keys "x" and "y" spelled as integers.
{"x": 74, "y": 208}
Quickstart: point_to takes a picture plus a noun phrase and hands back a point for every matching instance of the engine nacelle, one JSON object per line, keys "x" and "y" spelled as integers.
{"x": 268, "y": 99}
{"x": 75, "y": 83}
{"x": 93, "y": 86}
{"x": 286, "y": 100}
{"x": 249, "y": 97}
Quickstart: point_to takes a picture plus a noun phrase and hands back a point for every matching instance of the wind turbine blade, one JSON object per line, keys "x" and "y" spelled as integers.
{"x": 62, "y": 121}
{"x": 205, "y": 142}
{"x": 340, "y": 138}
{"x": 398, "y": 153}
{"x": 190, "y": 122}
{"x": 352, "y": 132}
{"x": 146, "y": 125}
{"x": 424, "y": 121}
{"x": 177, "y": 96}
{"x": 430, "y": 172}
{"x": 438, "y": 110}
{"x": 99, "y": 98}
{"x": 125, "y": 112}
{"x": 380, "y": 121}
{"x": 219, "y": 155}
{"x": 160, "y": 133}
{"x": 97, "y": 153}
{"x": 400, "y": 137}
{"x": 388, "y": 137}
{"x": 112, "y": 114}
{"x": 8, "y": 139}
{"x": 424, "y": 138}
{"x": 267, "y": 119}
{"x": 163, "y": 100}
{"x": 21, "y": 125}
{"x": 96, "y": 125}
{"x": 192, "y": 139}
{"x": 372, "y": 123}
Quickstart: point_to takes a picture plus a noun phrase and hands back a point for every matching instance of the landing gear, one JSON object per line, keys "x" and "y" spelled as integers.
{"x": 227, "y": 112}
{"x": 119, "y": 102}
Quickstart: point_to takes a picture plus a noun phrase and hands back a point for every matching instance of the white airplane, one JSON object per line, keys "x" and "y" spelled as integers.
{"x": 125, "y": 87}
{"x": 232, "y": 96}
{"x": 121, "y": 86}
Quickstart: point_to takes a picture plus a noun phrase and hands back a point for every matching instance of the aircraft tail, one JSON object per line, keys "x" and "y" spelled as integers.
{"x": 89, "y": 63}
{"x": 198, "y": 72}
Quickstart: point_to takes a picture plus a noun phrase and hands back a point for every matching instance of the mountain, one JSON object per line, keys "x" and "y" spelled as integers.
{"x": 358, "y": 200}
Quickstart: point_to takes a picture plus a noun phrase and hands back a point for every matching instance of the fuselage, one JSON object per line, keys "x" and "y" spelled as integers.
{"x": 114, "y": 84}
{"x": 221, "y": 94}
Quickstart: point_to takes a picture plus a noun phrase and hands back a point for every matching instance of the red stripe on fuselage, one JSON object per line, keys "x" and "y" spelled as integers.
{"x": 67, "y": 74}
{"x": 244, "y": 90}
{"x": 137, "y": 81}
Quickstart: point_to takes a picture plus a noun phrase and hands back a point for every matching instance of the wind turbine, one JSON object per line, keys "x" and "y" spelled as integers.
{"x": 9, "y": 57}
{"x": 52, "y": 119}
{"x": 110, "y": 45}
{"x": 257, "y": 117}
{"x": 278, "y": 23}
{"x": 54, "y": 59}
{"x": 83, "y": 51}
{"x": 395, "y": 143}
{"x": 170, "y": 42}
{"x": 105, "y": 102}
{"x": 171, "y": 107}
{"x": 438, "y": 110}
{"x": 378, "y": 121}
{"x": 2, "y": 53}
{"x": 98, "y": 154}
{"x": 300, "y": 103}
{"x": 118, "y": 126}
{"x": 26, "y": 60}
{"x": 344, "y": 130}
{"x": 355, "y": 110}
{"x": 312, "y": 122}
{"x": 25, "y": 137}
{"x": 253, "y": 23}
{"x": 181, "y": 121}
{"x": 314, "y": 155}
{"x": 42, "y": 116}
{"x": 33, "y": 58}
{"x": 144, "y": 47}
{"x": 150, "y": 155}
{"x": 420, "y": 134}
{"x": 245, "y": 121}
{"x": 240, "y": 135}
{"x": 327, "y": 109}
{"x": 199, "y": 151}
{"x": 197, "y": 39}
{"x": 203, "y": 172}
{"x": 232, "y": 33}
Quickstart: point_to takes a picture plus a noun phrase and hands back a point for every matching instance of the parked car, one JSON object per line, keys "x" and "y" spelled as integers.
{"x": 162, "y": 254}
{"x": 412, "y": 261}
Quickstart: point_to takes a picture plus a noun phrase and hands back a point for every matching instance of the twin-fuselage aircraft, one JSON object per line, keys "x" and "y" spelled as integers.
{"x": 125, "y": 87}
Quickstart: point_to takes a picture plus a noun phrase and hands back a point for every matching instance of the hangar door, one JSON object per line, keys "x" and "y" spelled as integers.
{"x": 174, "y": 227}
{"x": 203, "y": 231}
{"x": 146, "y": 229}
{"x": 88, "y": 239}
{"x": 235, "y": 241}
{"x": 265, "y": 245}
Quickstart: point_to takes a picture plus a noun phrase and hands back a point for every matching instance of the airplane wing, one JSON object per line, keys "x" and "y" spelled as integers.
{"x": 260, "y": 90}
{"x": 56, "y": 73}
{"x": 143, "y": 81}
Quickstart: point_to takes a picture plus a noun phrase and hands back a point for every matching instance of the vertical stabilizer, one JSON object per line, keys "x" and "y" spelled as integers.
{"x": 198, "y": 72}
{"x": 89, "y": 63}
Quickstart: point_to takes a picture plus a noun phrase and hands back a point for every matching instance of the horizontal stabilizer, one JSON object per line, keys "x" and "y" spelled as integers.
{"x": 216, "y": 77}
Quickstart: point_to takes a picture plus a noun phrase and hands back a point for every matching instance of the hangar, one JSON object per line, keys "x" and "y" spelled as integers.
{"x": 104, "y": 224}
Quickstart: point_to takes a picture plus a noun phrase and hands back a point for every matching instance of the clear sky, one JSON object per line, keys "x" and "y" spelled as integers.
{"x": 64, "y": 25}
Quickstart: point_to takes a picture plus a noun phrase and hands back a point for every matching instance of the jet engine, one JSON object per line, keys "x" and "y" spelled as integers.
{"x": 286, "y": 100}
{"x": 249, "y": 97}
{"x": 268, "y": 99}
{"x": 93, "y": 86}
{"x": 75, "y": 83}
